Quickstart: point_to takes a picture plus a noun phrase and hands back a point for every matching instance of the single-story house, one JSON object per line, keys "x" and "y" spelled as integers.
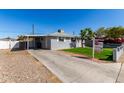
{"x": 54, "y": 41}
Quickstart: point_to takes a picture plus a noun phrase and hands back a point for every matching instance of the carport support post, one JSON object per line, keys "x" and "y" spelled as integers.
{"x": 27, "y": 42}
{"x": 45, "y": 42}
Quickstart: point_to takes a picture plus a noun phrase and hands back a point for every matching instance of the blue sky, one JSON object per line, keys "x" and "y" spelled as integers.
{"x": 17, "y": 22}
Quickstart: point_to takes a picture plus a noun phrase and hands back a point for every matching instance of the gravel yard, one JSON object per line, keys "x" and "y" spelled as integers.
{"x": 21, "y": 67}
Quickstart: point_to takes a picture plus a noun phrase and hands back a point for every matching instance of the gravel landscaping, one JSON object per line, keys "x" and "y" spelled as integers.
{"x": 21, "y": 67}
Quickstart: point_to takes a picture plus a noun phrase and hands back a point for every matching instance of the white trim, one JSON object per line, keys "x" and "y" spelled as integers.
{"x": 64, "y": 39}
{"x": 57, "y": 39}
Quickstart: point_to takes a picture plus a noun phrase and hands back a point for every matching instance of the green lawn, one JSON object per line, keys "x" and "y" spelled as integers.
{"x": 106, "y": 54}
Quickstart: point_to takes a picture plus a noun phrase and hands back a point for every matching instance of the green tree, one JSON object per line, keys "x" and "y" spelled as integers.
{"x": 86, "y": 34}
{"x": 21, "y": 37}
{"x": 101, "y": 32}
{"x": 90, "y": 34}
{"x": 115, "y": 32}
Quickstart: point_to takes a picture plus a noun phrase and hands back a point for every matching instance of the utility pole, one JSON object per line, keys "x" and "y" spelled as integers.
{"x": 33, "y": 34}
{"x": 33, "y": 29}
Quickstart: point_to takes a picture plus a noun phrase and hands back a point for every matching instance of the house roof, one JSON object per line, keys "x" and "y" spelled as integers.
{"x": 35, "y": 35}
{"x": 59, "y": 33}
{"x": 7, "y": 39}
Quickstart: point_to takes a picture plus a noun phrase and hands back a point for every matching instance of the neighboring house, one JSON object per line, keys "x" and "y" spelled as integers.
{"x": 9, "y": 43}
{"x": 54, "y": 41}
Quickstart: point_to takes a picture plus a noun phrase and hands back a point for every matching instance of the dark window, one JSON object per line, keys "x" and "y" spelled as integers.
{"x": 73, "y": 39}
{"x": 61, "y": 39}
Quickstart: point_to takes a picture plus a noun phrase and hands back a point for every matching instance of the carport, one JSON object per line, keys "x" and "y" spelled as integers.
{"x": 35, "y": 42}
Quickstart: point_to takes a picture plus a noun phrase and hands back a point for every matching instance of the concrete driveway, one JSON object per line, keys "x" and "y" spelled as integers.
{"x": 72, "y": 69}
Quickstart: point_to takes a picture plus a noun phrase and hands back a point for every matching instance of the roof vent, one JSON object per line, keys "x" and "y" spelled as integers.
{"x": 60, "y": 31}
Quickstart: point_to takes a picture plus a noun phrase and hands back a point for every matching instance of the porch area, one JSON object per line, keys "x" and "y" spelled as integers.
{"x": 35, "y": 42}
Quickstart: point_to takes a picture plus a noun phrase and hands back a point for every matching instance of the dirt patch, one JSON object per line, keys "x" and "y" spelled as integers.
{"x": 21, "y": 67}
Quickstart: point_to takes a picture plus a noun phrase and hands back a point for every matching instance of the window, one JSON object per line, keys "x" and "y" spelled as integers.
{"x": 73, "y": 39}
{"x": 61, "y": 39}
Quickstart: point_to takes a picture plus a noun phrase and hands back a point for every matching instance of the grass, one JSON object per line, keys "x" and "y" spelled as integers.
{"x": 106, "y": 54}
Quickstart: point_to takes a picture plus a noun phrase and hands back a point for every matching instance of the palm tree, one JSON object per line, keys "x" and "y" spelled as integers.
{"x": 86, "y": 34}
{"x": 90, "y": 34}
{"x": 83, "y": 34}
{"x": 20, "y": 37}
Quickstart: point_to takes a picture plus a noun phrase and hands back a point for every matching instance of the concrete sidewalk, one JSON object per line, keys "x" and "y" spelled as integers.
{"x": 72, "y": 69}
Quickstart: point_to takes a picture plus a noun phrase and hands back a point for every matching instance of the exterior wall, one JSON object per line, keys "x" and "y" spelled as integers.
{"x": 9, "y": 44}
{"x": 53, "y": 43}
{"x": 22, "y": 45}
{"x": 78, "y": 43}
{"x": 48, "y": 43}
{"x": 31, "y": 44}
{"x": 56, "y": 44}
{"x": 43, "y": 45}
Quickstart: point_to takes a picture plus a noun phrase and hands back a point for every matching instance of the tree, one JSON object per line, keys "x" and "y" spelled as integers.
{"x": 111, "y": 32}
{"x": 20, "y": 37}
{"x": 115, "y": 32}
{"x": 90, "y": 34}
{"x": 101, "y": 32}
{"x": 86, "y": 34}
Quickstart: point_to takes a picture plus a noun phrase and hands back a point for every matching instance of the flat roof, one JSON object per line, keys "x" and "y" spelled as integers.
{"x": 49, "y": 36}
{"x": 56, "y": 34}
{"x": 33, "y": 35}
